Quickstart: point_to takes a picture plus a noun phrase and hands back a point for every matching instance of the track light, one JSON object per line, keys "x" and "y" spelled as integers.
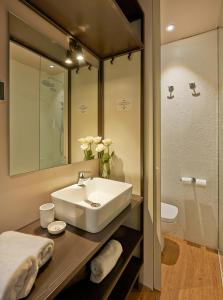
{"x": 68, "y": 59}
{"x": 79, "y": 53}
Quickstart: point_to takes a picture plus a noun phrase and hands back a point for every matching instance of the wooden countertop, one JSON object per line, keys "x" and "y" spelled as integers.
{"x": 73, "y": 249}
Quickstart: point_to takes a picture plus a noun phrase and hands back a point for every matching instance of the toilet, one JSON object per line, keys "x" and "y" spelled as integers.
{"x": 169, "y": 215}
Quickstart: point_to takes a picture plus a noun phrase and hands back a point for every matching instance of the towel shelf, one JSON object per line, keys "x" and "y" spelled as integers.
{"x": 130, "y": 239}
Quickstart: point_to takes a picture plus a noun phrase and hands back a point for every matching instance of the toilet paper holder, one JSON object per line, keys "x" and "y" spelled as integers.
{"x": 193, "y": 180}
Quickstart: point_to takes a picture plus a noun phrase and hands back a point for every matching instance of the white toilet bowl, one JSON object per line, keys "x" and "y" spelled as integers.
{"x": 169, "y": 215}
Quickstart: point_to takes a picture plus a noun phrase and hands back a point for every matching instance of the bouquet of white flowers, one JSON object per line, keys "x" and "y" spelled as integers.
{"x": 102, "y": 147}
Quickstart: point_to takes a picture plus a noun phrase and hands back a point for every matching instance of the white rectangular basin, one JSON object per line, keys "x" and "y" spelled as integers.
{"x": 71, "y": 205}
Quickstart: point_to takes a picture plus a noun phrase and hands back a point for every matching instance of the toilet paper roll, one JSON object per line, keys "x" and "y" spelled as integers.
{"x": 201, "y": 182}
{"x": 187, "y": 180}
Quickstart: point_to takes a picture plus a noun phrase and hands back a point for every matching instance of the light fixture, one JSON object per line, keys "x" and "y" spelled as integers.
{"x": 51, "y": 66}
{"x": 170, "y": 27}
{"x": 79, "y": 53}
{"x": 68, "y": 59}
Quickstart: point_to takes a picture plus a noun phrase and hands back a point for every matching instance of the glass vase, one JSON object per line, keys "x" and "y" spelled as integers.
{"x": 105, "y": 170}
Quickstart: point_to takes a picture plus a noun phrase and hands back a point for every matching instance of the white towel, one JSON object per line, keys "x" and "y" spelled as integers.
{"x": 17, "y": 272}
{"x": 31, "y": 245}
{"x": 102, "y": 265}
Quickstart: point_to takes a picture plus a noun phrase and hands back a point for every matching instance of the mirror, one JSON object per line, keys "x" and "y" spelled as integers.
{"x": 38, "y": 111}
{"x": 42, "y": 87}
{"x": 84, "y": 107}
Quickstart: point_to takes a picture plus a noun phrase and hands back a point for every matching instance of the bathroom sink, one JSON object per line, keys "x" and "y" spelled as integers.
{"x": 76, "y": 204}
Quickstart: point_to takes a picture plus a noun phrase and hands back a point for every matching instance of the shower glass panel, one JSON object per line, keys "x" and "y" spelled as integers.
{"x": 53, "y": 106}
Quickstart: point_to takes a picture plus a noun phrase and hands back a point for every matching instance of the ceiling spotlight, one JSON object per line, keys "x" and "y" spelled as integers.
{"x": 170, "y": 27}
{"x": 68, "y": 59}
{"x": 79, "y": 53}
{"x": 51, "y": 66}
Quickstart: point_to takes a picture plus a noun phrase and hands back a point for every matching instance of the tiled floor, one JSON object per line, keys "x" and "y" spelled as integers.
{"x": 189, "y": 272}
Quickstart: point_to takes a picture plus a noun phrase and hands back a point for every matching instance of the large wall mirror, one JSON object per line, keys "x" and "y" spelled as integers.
{"x": 46, "y": 97}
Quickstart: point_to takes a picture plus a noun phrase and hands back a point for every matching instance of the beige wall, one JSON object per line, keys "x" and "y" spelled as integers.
{"x": 152, "y": 252}
{"x": 20, "y": 196}
{"x": 122, "y": 123}
{"x": 84, "y": 107}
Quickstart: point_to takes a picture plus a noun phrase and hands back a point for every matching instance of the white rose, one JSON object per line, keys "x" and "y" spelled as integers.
{"x": 89, "y": 139}
{"x": 107, "y": 142}
{"x": 84, "y": 147}
{"x": 82, "y": 140}
{"x": 100, "y": 147}
{"x": 97, "y": 139}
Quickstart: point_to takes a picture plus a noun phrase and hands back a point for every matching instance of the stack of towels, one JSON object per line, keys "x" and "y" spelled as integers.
{"x": 106, "y": 260}
{"x": 21, "y": 256}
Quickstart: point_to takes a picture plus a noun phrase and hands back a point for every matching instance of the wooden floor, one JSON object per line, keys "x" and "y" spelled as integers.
{"x": 189, "y": 272}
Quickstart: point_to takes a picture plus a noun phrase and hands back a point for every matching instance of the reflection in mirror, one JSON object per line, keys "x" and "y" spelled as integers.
{"x": 38, "y": 111}
{"x": 53, "y": 114}
{"x": 84, "y": 107}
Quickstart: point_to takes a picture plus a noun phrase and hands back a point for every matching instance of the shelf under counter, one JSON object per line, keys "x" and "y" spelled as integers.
{"x": 73, "y": 249}
{"x": 85, "y": 289}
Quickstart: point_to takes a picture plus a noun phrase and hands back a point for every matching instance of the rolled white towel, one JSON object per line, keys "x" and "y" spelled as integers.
{"x": 17, "y": 272}
{"x": 105, "y": 261}
{"x": 31, "y": 245}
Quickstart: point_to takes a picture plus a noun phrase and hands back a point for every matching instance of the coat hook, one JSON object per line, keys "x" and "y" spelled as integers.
{"x": 129, "y": 56}
{"x": 89, "y": 67}
{"x": 171, "y": 89}
{"x": 77, "y": 70}
{"x": 112, "y": 60}
{"x": 192, "y": 86}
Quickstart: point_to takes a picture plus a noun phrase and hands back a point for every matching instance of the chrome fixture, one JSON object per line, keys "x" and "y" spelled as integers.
{"x": 93, "y": 204}
{"x": 192, "y": 86}
{"x": 170, "y": 89}
{"x": 83, "y": 176}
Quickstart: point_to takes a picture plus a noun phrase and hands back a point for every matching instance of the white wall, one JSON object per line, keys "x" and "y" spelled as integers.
{"x": 122, "y": 119}
{"x": 190, "y": 136}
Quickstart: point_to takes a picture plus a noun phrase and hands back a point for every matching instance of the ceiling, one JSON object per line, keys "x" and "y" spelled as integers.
{"x": 190, "y": 17}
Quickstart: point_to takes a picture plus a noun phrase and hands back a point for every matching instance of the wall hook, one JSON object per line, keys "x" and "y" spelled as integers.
{"x": 77, "y": 70}
{"x": 170, "y": 89}
{"x": 129, "y": 56}
{"x": 192, "y": 86}
{"x": 89, "y": 67}
{"x": 112, "y": 60}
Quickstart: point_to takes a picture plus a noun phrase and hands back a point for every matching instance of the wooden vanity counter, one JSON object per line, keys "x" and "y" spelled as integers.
{"x": 73, "y": 249}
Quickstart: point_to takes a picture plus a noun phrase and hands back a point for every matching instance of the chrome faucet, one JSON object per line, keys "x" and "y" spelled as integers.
{"x": 83, "y": 176}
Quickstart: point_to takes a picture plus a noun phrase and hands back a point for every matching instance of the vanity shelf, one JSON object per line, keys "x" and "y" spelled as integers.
{"x": 130, "y": 239}
{"x": 127, "y": 280}
{"x": 74, "y": 249}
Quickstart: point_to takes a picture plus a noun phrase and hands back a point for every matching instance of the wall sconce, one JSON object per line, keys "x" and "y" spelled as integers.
{"x": 170, "y": 89}
{"x": 192, "y": 86}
